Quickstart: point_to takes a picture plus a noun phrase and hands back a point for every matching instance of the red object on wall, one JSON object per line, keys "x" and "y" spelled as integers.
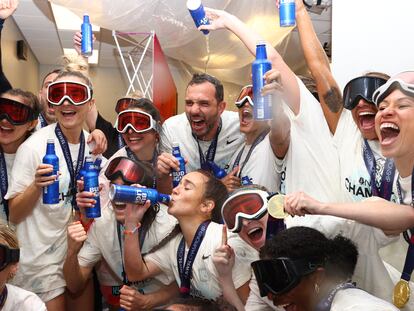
{"x": 164, "y": 92}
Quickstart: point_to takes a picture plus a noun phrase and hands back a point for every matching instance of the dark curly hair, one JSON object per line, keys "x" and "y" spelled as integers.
{"x": 338, "y": 256}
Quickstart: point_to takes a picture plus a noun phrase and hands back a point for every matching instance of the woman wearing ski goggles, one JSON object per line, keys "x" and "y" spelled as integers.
{"x": 18, "y": 118}
{"x": 77, "y": 93}
{"x": 139, "y": 126}
{"x": 301, "y": 269}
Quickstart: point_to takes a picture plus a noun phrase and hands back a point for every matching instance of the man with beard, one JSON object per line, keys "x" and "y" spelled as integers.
{"x": 47, "y": 114}
{"x": 205, "y": 132}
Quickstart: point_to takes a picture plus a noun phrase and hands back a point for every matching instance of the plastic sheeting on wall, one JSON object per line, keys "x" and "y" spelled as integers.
{"x": 177, "y": 33}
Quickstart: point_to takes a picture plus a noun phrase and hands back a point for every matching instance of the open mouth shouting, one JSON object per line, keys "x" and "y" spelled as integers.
{"x": 246, "y": 116}
{"x": 389, "y": 133}
{"x": 366, "y": 119}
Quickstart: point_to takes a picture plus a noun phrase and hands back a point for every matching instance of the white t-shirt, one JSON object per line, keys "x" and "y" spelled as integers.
{"x": 19, "y": 299}
{"x": 42, "y": 234}
{"x": 204, "y": 281}
{"x": 354, "y": 299}
{"x": 311, "y": 162}
{"x": 103, "y": 242}
{"x": 9, "y": 158}
{"x": 178, "y": 129}
{"x": 355, "y": 178}
{"x": 261, "y": 167}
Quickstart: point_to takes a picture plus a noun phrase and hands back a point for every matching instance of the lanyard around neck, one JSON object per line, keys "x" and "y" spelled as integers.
{"x": 185, "y": 269}
{"x": 73, "y": 172}
{"x": 387, "y": 178}
{"x": 4, "y": 183}
{"x": 257, "y": 141}
{"x": 326, "y": 302}
{"x": 211, "y": 152}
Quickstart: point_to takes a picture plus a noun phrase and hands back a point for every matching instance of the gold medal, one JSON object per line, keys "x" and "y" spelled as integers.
{"x": 401, "y": 293}
{"x": 275, "y": 207}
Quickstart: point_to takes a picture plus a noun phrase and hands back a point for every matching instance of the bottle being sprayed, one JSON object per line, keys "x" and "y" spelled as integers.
{"x": 87, "y": 41}
{"x": 262, "y": 109}
{"x": 196, "y": 9}
{"x": 178, "y": 175}
{"x": 51, "y": 192}
{"x": 287, "y": 13}
{"x": 130, "y": 194}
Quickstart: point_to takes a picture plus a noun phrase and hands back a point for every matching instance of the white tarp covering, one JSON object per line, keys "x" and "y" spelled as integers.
{"x": 176, "y": 31}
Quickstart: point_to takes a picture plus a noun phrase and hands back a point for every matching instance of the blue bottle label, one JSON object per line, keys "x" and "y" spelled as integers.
{"x": 200, "y": 18}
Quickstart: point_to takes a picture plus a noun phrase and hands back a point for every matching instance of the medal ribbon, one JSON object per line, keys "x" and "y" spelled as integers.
{"x": 185, "y": 269}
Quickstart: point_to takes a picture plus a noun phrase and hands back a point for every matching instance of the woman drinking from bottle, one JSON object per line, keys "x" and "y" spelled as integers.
{"x": 187, "y": 257}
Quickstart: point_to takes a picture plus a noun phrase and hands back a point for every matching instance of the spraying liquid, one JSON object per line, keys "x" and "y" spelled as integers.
{"x": 208, "y": 52}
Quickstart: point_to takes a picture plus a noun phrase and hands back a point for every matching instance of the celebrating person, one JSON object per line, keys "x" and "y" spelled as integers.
{"x": 195, "y": 203}
{"x": 41, "y": 228}
{"x": 103, "y": 242}
{"x": 301, "y": 269}
{"x": 18, "y": 118}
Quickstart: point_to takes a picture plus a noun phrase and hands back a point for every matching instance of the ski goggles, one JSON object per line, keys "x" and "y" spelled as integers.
{"x": 15, "y": 112}
{"x": 123, "y": 104}
{"x": 245, "y": 204}
{"x": 129, "y": 170}
{"x": 361, "y": 88}
{"x": 280, "y": 275}
{"x": 77, "y": 93}
{"x": 245, "y": 96}
{"x": 139, "y": 121}
{"x": 8, "y": 255}
{"x": 391, "y": 85}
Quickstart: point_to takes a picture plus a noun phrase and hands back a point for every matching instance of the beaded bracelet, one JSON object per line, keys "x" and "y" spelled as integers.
{"x": 131, "y": 232}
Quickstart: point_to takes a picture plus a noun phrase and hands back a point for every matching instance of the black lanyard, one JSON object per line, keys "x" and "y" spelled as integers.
{"x": 68, "y": 158}
{"x": 388, "y": 174}
{"x": 133, "y": 156}
{"x": 4, "y": 184}
{"x": 185, "y": 269}
{"x": 141, "y": 242}
{"x": 409, "y": 259}
{"x": 42, "y": 120}
{"x": 121, "y": 142}
{"x": 257, "y": 141}
{"x": 211, "y": 152}
{"x": 326, "y": 302}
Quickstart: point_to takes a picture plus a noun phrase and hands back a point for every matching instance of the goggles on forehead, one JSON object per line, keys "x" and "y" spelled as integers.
{"x": 360, "y": 88}
{"x": 8, "y": 255}
{"x": 76, "y": 92}
{"x": 129, "y": 170}
{"x": 247, "y": 204}
{"x": 280, "y": 275}
{"x": 123, "y": 103}
{"x": 139, "y": 121}
{"x": 245, "y": 96}
{"x": 391, "y": 85}
{"x": 15, "y": 112}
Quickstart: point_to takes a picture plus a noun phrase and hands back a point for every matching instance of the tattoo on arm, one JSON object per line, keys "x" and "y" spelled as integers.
{"x": 333, "y": 100}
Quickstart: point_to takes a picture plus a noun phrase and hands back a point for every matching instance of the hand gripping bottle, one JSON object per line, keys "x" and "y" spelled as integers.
{"x": 196, "y": 9}
{"x": 129, "y": 194}
{"x": 287, "y": 13}
{"x": 51, "y": 192}
{"x": 178, "y": 175}
{"x": 262, "y": 109}
{"x": 87, "y": 42}
{"x": 91, "y": 184}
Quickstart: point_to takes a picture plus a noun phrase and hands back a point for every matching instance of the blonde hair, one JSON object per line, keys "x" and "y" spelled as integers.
{"x": 8, "y": 237}
{"x": 77, "y": 66}
{"x": 135, "y": 95}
